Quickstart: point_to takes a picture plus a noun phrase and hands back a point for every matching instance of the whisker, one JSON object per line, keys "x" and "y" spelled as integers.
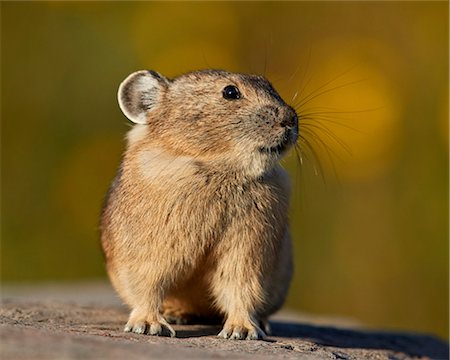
{"x": 305, "y": 120}
{"x": 315, "y": 156}
{"x": 312, "y": 97}
{"x": 337, "y": 111}
{"x": 330, "y": 81}
{"x": 327, "y": 150}
{"x": 320, "y": 142}
{"x": 299, "y": 155}
{"x": 331, "y": 135}
{"x": 305, "y": 71}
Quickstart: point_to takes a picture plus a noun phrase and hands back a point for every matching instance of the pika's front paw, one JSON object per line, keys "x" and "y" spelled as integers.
{"x": 242, "y": 332}
{"x": 156, "y": 328}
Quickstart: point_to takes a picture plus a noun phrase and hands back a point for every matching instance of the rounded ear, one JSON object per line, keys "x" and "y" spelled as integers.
{"x": 139, "y": 93}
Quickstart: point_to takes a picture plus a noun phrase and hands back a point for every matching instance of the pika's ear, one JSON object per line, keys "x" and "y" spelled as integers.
{"x": 140, "y": 93}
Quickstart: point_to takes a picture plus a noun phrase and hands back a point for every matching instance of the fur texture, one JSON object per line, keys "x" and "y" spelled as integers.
{"x": 195, "y": 223}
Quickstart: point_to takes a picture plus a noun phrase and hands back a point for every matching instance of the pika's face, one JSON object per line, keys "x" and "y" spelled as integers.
{"x": 214, "y": 116}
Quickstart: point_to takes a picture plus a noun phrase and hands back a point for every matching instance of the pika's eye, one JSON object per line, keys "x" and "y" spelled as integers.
{"x": 231, "y": 92}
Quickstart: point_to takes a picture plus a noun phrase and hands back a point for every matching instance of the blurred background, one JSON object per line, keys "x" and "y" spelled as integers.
{"x": 370, "y": 204}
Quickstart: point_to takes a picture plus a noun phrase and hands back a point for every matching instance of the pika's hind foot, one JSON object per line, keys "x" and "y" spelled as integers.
{"x": 150, "y": 325}
{"x": 178, "y": 318}
{"x": 245, "y": 331}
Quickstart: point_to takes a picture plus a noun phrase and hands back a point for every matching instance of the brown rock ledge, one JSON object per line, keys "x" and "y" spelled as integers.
{"x": 55, "y": 323}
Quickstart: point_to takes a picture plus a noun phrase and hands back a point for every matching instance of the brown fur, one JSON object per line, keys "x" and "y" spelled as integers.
{"x": 195, "y": 223}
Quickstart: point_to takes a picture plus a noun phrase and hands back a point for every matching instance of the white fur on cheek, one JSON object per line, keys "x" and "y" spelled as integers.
{"x": 253, "y": 163}
{"x": 156, "y": 164}
{"x": 258, "y": 164}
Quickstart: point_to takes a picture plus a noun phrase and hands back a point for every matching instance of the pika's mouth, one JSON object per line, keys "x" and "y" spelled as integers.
{"x": 285, "y": 142}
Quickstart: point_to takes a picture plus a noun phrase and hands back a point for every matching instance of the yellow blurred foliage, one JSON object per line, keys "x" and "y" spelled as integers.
{"x": 82, "y": 175}
{"x": 208, "y": 43}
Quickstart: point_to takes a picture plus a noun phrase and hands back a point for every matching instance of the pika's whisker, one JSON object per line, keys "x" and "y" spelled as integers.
{"x": 316, "y": 95}
{"x": 306, "y": 120}
{"x": 330, "y": 135}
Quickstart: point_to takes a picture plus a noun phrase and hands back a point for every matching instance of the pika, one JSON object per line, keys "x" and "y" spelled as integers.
{"x": 195, "y": 223}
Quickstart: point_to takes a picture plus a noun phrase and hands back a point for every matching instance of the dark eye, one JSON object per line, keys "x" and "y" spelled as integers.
{"x": 231, "y": 92}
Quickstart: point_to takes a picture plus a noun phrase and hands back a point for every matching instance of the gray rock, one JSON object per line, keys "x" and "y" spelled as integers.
{"x": 50, "y": 323}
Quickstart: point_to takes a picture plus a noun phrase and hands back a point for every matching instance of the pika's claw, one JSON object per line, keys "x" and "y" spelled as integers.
{"x": 139, "y": 327}
{"x": 155, "y": 328}
{"x": 224, "y": 334}
{"x": 255, "y": 334}
{"x": 241, "y": 332}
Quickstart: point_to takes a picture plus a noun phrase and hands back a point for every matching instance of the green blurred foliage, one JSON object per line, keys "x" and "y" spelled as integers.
{"x": 371, "y": 242}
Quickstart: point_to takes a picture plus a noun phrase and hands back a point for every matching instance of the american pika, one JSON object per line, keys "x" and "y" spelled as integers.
{"x": 195, "y": 223}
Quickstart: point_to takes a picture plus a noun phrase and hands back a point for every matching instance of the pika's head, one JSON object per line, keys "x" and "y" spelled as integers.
{"x": 228, "y": 120}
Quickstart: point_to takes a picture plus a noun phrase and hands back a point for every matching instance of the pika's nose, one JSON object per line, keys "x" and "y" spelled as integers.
{"x": 290, "y": 119}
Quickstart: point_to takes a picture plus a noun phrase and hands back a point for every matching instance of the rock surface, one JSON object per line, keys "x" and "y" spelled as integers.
{"x": 85, "y": 322}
